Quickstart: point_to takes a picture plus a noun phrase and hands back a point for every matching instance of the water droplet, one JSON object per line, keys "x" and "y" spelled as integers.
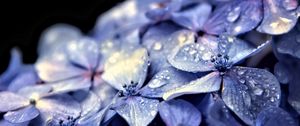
{"x": 234, "y": 14}
{"x": 153, "y": 113}
{"x": 258, "y": 91}
{"x": 242, "y": 80}
{"x": 157, "y": 46}
{"x": 272, "y": 99}
{"x": 156, "y": 83}
{"x": 241, "y": 71}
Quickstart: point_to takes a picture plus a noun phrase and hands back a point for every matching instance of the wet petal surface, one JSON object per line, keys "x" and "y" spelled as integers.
{"x": 247, "y": 91}
{"x": 22, "y": 115}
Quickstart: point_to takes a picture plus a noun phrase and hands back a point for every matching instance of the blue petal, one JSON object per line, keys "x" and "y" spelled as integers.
{"x": 59, "y": 107}
{"x": 70, "y": 85}
{"x": 28, "y": 78}
{"x": 89, "y": 101}
{"x": 158, "y": 43}
{"x": 208, "y": 83}
{"x": 138, "y": 111}
{"x": 4, "y": 122}
{"x": 278, "y": 19}
{"x": 288, "y": 43}
{"x": 105, "y": 92}
{"x": 84, "y": 52}
{"x": 294, "y": 95}
{"x": 179, "y": 112}
{"x": 22, "y": 115}
{"x": 282, "y": 73}
{"x": 193, "y": 18}
{"x": 55, "y": 35}
{"x": 11, "y": 101}
{"x": 274, "y": 116}
{"x": 247, "y": 91}
{"x": 123, "y": 69}
{"x": 194, "y": 57}
{"x": 235, "y": 17}
{"x": 239, "y": 49}
{"x": 35, "y": 92}
{"x": 163, "y": 10}
{"x": 55, "y": 66}
{"x": 215, "y": 112}
{"x": 127, "y": 15}
{"x": 165, "y": 80}
{"x": 15, "y": 67}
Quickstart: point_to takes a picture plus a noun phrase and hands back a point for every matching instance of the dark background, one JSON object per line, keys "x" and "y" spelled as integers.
{"x": 22, "y": 22}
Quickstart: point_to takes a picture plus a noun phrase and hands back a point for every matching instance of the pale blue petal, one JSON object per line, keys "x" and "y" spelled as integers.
{"x": 193, "y": 18}
{"x": 241, "y": 50}
{"x": 194, "y": 57}
{"x": 159, "y": 41}
{"x": 84, "y": 52}
{"x": 165, "y": 80}
{"x": 274, "y": 116}
{"x": 4, "y": 122}
{"x": 89, "y": 101}
{"x": 71, "y": 85}
{"x": 179, "y": 112}
{"x": 55, "y": 35}
{"x": 105, "y": 92}
{"x": 22, "y": 115}
{"x": 282, "y": 73}
{"x": 14, "y": 68}
{"x": 208, "y": 83}
{"x": 278, "y": 19}
{"x": 235, "y": 17}
{"x": 247, "y": 91}
{"x": 27, "y": 78}
{"x": 59, "y": 107}
{"x": 36, "y": 91}
{"x": 138, "y": 111}
{"x": 11, "y": 101}
{"x": 125, "y": 69}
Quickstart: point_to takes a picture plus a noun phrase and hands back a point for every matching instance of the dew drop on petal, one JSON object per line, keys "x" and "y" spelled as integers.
{"x": 234, "y": 14}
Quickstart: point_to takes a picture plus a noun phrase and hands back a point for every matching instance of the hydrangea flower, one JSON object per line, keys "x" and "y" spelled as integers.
{"x": 244, "y": 90}
{"x": 71, "y": 66}
{"x": 30, "y": 102}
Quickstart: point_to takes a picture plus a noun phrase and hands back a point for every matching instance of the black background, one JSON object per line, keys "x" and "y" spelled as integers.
{"x": 22, "y": 22}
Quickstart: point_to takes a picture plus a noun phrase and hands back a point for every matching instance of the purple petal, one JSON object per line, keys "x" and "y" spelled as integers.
{"x": 194, "y": 57}
{"x": 274, "y": 116}
{"x": 179, "y": 112}
{"x": 138, "y": 111}
{"x": 123, "y": 69}
{"x": 247, "y": 91}
{"x": 163, "y": 10}
{"x": 59, "y": 107}
{"x": 193, "y": 18}
{"x": 208, "y": 83}
{"x": 55, "y": 35}
{"x": 165, "y": 80}
{"x": 11, "y": 101}
{"x": 235, "y": 17}
{"x": 278, "y": 19}
{"x": 22, "y": 115}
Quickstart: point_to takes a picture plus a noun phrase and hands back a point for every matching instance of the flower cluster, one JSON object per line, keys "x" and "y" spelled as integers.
{"x": 155, "y": 62}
